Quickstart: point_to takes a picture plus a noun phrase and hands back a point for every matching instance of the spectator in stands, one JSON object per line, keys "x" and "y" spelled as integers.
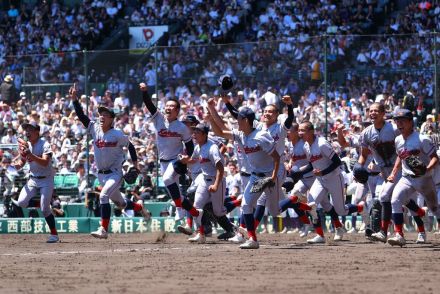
{"x": 7, "y": 90}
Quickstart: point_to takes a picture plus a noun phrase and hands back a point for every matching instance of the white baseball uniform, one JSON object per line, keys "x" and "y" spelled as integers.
{"x": 41, "y": 178}
{"x": 109, "y": 157}
{"x": 320, "y": 154}
{"x": 422, "y": 147}
{"x": 208, "y": 156}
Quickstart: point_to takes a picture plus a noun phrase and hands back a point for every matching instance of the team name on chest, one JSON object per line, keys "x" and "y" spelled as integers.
{"x": 102, "y": 143}
{"x": 168, "y": 134}
{"x": 248, "y": 149}
{"x": 405, "y": 153}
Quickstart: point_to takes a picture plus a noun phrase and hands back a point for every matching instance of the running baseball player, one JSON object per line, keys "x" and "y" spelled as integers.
{"x": 171, "y": 135}
{"x": 37, "y": 152}
{"x": 212, "y": 186}
{"x": 303, "y": 183}
{"x": 262, "y": 156}
{"x": 278, "y": 131}
{"x": 108, "y": 144}
{"x": 378, "y": 139}
{"x": 417, "y": 157}
{"x": 325, "y": 164}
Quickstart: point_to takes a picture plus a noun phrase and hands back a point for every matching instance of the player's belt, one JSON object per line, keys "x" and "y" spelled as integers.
{"x": 104, "y": 171}
{"x": 261, "y": 175}
{"x": 245, "y": 174}
{"x": 374, "y": 173}
{"x": 38, "y": 177}
{"x": 165, "y": 160}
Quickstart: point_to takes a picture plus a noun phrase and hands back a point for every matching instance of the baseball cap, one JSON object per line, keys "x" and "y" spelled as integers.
{"x": 48, "y": 94}
{"x": 202, "y": 127}
{"x": 32, "y": 124}
{"x": 248, "y": 113}
{"x": 240, "y": 93}
{"x": 190, "y": 119}
{"x": 22, "y": 94}
{"x": 403, "y": 113}
{"x": 102, "y": 109}
{"x": 8, "y": 78}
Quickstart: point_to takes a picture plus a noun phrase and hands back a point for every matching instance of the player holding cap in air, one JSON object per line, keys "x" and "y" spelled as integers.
{"x": 38, "y": 153}
{"x": 171, "y": 135}
{"x": 263, "y": 159}
{"x": 108, "y": 144}
{"x": 417, "y": 157}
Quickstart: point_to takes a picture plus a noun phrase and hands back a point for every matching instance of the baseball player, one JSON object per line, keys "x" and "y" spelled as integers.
{"x": 278, "y": 132}
{"x": 378, "y": 139}
{"x": 108, "y": 144}
{"x": 37, "y": 152}
{"x": 171, "y": 134}
{"x": 263, "y": 159}
{"x": 410, "y": 145}
{"x": 212, "y": 186}
{"x": 325, "y": 164}
{"x": 298, "y": 198}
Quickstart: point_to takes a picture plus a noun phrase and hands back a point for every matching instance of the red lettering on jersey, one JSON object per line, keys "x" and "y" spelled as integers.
{"x": 298, "y": 157}
{"x": 404, "y": 154}
{"x": 315, "y": 157}
{"x": 101, "y": 144}
{"x": 168, "y": 134}
{"x": 248, "y": 150}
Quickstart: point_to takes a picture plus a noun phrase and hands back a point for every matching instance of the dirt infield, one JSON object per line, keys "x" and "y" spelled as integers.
{"x": 139, "y": 263}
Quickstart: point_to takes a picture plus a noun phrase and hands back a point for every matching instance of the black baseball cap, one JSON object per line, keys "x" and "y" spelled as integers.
{"x": 248, "y": 113}
{"x": 190, "y": 119}
{"x": 102, "y": 109}
{"x": 33, "y": 124}
{"x": 202, "y": 127}
{"x": 403, "y": 113}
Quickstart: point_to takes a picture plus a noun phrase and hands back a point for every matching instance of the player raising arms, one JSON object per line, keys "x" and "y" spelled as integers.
{"x": 171, "y": 135}
{"x": 263, "y": 158}
{"x": 37, "y": 152}
{"x": 108, "y": 144}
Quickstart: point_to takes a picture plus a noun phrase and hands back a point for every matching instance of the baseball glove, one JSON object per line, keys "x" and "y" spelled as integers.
{"x": 262, "y": 184}
{"x": 131, "y": 175}
{"x": 180, "y": 167}
{"x": 416, "y": 165}
{"x": 360, "y": 174}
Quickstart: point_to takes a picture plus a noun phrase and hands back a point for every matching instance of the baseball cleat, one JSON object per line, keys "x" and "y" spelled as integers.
{"x": 180, "y": 213}
{"x": 316, "y": 240}
{"x": 339, "y": 233}
{"x": 397, "y": 240}
{"x": 284, "y": 231}
{"x": 242, "y": 230}
{"x": 352, "y": 231}
{"x": 199, "y": 238}
{"x": 421, "y": 238}
{"x": 226, "y": 236}
{"x": 53, "y": 239}
{"x": 379, "y": 236}
{"x": 101, "y": 233}
{"x": 237, "y": 239}
{"x": 250, "y": 244}
{"x": 198, "y": 219}
{"x": 305, "y": 231}
{"x": 185, "y": 230}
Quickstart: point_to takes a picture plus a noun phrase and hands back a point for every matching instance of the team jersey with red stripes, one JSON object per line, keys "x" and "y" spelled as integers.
{"x": 170, "y": 136}
{"x": 416, "y": 145}
{"x": 298, "y": 156}
{"x": 208, "y": 155}
{"x": 108, "y": 147}
{"x": 320, "y": 153}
